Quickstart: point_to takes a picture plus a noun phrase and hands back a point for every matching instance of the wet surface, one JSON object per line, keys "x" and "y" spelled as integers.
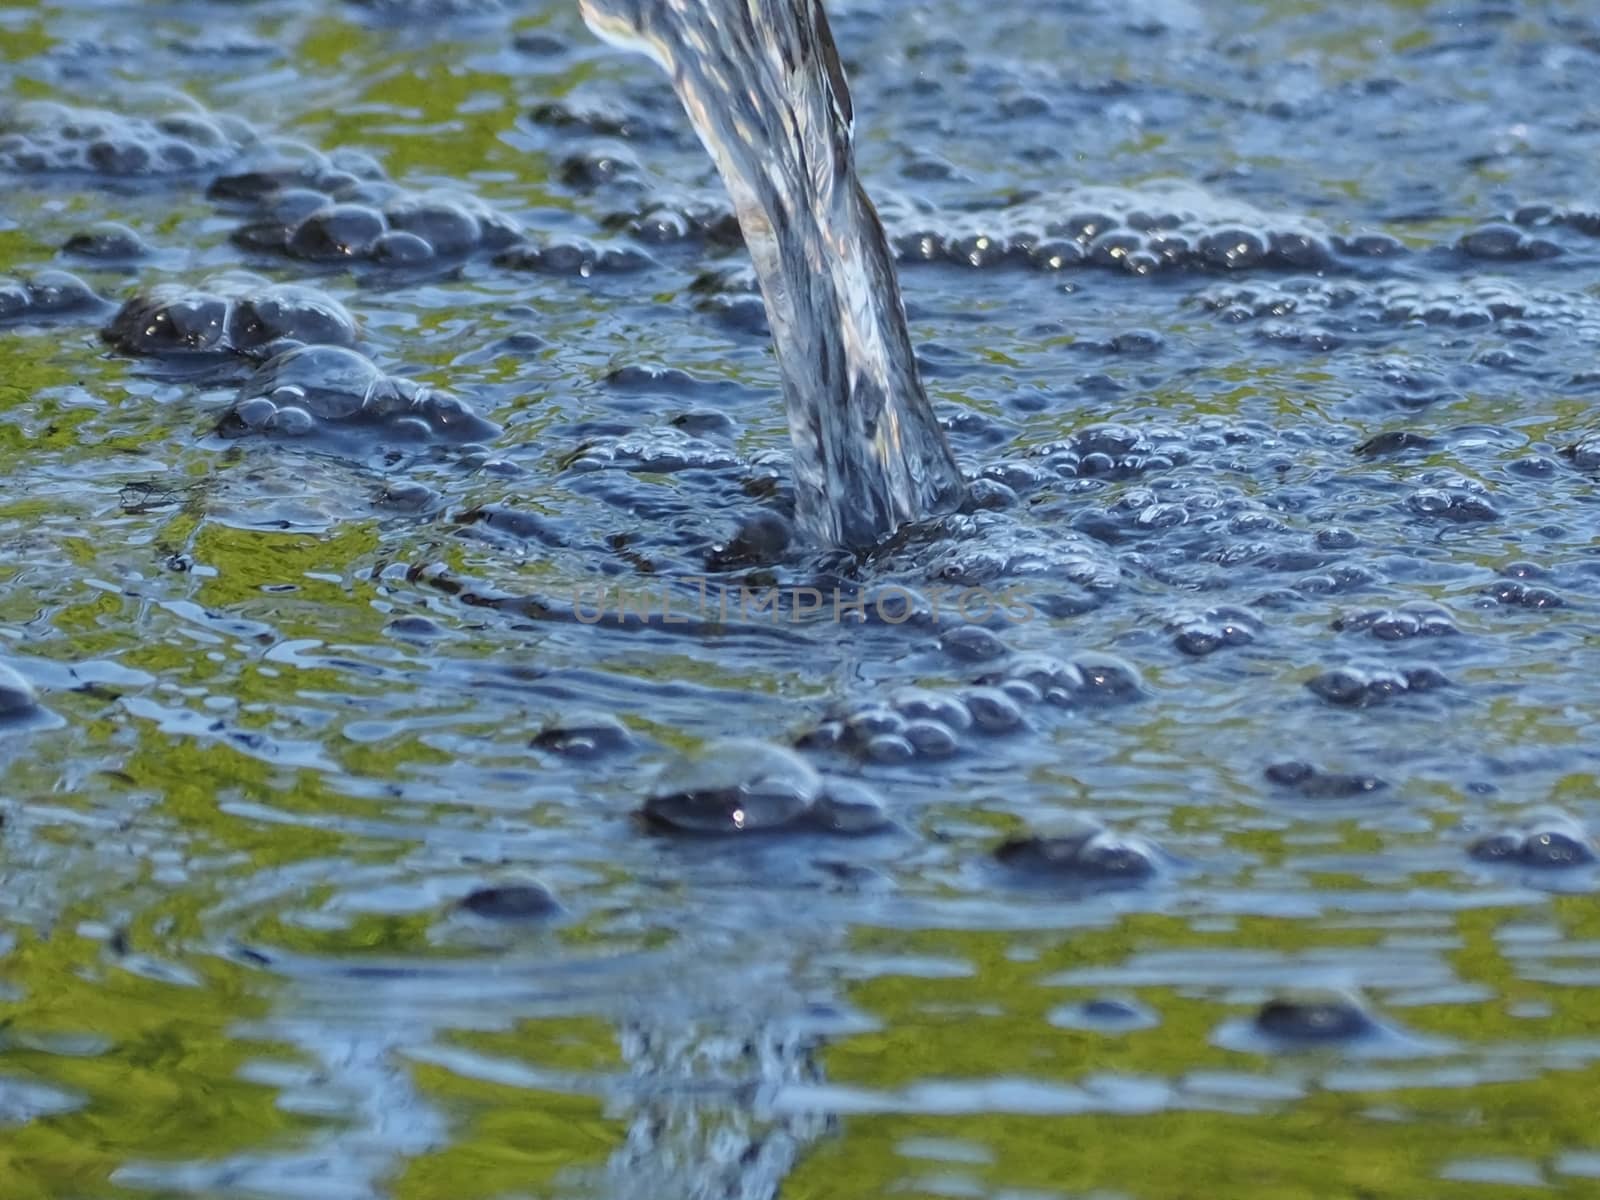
{"x": 399, "y": 486}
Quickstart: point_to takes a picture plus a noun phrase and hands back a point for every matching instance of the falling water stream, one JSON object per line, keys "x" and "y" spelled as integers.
{"x": 763, "y": 85}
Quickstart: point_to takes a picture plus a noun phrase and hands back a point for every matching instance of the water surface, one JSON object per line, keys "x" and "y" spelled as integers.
{"x": 1266, "y": 337}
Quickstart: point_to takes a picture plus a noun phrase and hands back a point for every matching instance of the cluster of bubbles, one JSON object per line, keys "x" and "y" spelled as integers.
{"x": 1159, "y": 228}
{"x": 1584, "y": 219}
{"x": 298, "y": 209}
{"x": 341, "y": 209}
{"x": 238, "y": 314}
{"x": 44, "y": 296}
{"x": 1361, "y": 686}
{"x": 1514, "y": 593}
{"x": 1156, "y": 229}
{"x": 1081, "y": 851}
{"x": 661, "y": 451}
{"x": 1498, "y": 242}
{"x": 337, "y": 207}
{"x": 46, "y": 137}
{"x": 1585, "y": 452}
{"x": 1335, "y": 309}
{"x": 411, "y": 10}
{"x": 1412, "y": 620}
{"x": 1454, "y": 498}
{"x": 916, "y": 723}
{"x": 738, "y": 788}
{"x": 1311, "y": 783}
{"x": 573, "y": 256}
{"x": 1546, "y": 839}
{"x": 1218, "y": 628}
{"x": 320, "y": 390}
{"x": 652, "y": 116}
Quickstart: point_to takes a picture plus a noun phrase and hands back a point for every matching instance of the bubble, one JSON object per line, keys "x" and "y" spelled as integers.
{"x": 55, "y": 293}
{"x": 1086, "y": 853}
{"x": 931, "y": 739}
{"x": 584, "y": 735}
{"x": 1105, "y": 1014}
{"x": 849, "y": 806}
{"x": 1548, "y": 841}
{"x": 107, "y": 240}
{"x": 925, "y": 703}
{"x": 333, "y": 381}
{"x": 1510, "y": 593}
{"x": 889, "y": 748}
{"x": 1505, "y": 243}
{"x": 761, "y": 539}
{"x": 446, "y": 227}
{"x": 17, "y": 696}
{"x": 590, "y": 169}
{"x": 288, "y": 311}
{"x": 1293, "y": 248}
{"x": 511, "y": 902}
{"x": 1021, "y": 691}
{"x": 1315, "y": 1018}
{"x": 1311, "y": 784}
{"x": 399, "y": 249}
{"x": 733, "y": 787}
{"x": 573, "y": 256}
{"x": 14, "y": 302}
{"x": 597, "y": 119}
{"x": 256, "y": 413}
{"x": 1370, "y": 245}
{"x": 1232, "y": 249}
{"x": 292, "y": 421}
{"x": 1044, "y": 672}
{"x": 826, "y": 735}
{"x": 372, "y": 193}
{"x": 170, "y": 320}
{"x": 1216, "y": 629}
{"x": 1585, "y": 452}
{"x": 336, "y": 232}
{"x": 993, "y": 710}
{"x": 1107, "y": 680}
{"x": 1397, "y": 441}
{"x": 1451, "y": 504}
{"x": 1054, "y": 254}
{"x": 417, "y": 628}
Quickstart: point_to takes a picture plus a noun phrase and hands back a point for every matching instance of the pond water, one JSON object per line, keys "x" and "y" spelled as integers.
{"x": 433, "y": 766}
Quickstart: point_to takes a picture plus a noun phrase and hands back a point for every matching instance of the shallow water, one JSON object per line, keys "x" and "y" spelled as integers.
{"x": 1294, "y": 484}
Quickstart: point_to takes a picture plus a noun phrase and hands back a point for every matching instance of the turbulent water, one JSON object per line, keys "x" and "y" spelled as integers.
{"x": 434, "y": 767}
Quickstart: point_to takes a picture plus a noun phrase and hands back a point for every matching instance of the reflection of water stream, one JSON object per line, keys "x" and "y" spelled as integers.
{"x": 707, "y": 1035}
{"x": 703, "y": 1129}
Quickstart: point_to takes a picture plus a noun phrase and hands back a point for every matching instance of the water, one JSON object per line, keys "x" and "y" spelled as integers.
{"x": 767, "y": 95}
{"x": 1206, "y": 809}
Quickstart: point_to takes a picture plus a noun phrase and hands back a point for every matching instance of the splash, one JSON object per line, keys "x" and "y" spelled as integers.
{"x": 762, "y": 84}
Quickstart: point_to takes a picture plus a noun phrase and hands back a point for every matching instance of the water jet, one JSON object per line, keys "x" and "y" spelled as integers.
{"x": 762, "y": 84}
